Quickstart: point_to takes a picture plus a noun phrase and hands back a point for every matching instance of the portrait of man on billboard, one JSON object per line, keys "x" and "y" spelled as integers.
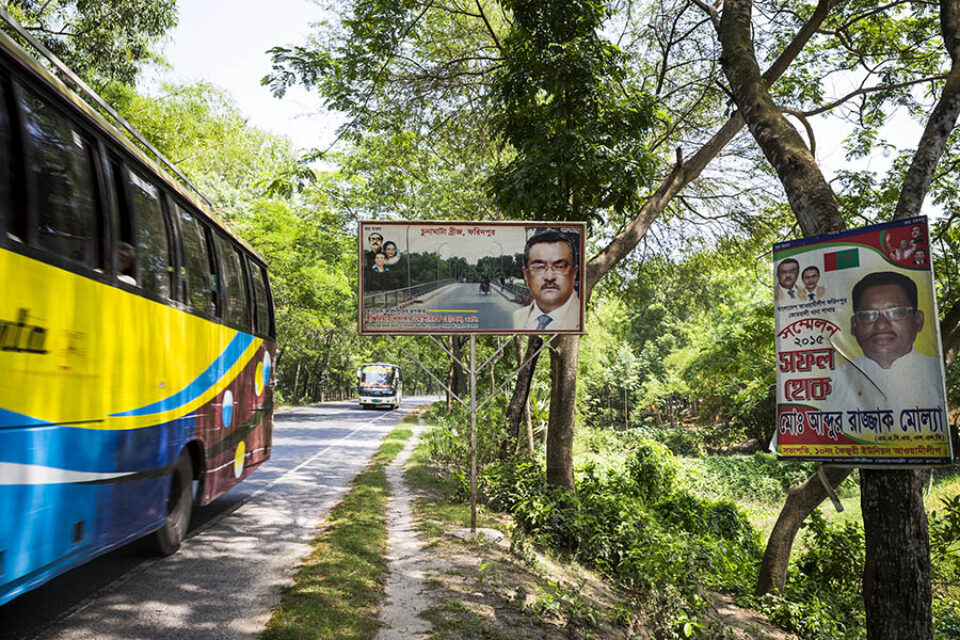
{"x": 436, "y": 277}
{"x": 885, "y": 322}
{"x": 550, "y": 271}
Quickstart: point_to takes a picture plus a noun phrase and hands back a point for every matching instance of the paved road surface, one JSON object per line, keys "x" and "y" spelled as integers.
{"x": 494, "y": 310}
{"x": 242, "y": 549}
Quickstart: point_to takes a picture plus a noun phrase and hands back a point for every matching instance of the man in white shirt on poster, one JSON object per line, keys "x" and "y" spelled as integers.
{"x": 889, "y": 374}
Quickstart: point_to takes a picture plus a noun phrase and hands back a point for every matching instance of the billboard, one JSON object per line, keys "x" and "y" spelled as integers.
{"x": 860, "y": 377}
{"x": 471, "y": 277}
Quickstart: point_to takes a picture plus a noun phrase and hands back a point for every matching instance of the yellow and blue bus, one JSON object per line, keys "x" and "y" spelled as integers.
{"x": 136, "y": 340}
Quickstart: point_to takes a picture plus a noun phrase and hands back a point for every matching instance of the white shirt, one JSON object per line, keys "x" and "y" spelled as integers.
{"x": 912, "y": 381}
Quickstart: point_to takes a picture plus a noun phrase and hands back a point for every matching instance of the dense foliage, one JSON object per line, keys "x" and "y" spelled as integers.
{"x": 673, "y": 528}
{"x": 104, "y": 41}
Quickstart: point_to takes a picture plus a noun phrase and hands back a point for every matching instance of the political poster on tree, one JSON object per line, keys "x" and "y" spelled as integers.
{"x": 471, "y": 277}
{"x": 860, "y": 376}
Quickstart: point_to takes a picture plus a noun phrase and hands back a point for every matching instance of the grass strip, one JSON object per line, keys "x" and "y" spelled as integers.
{"x": 338, "y": 590}
{"x": 444, "y": 506}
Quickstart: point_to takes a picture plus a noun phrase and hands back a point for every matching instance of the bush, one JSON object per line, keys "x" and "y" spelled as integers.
{"x": 716, "y": 518}
{"x": 653, "y": 468}
{"x": 450, "y": 441}
{"x": 756, "y": 478}
{"x": 823, "y": 599}
{"x": 613, "y": 524}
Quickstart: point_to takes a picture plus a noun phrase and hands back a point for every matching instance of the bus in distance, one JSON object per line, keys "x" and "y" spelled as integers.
{"x": 136, "y": 340}
{"x": 379, "y": 384}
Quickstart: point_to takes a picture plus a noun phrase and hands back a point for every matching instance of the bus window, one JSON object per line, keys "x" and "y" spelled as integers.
{"x": 263, "y": 316}
{"x": 12, "y": 219}
{"x": 152, "y": 247}
{"x": 196, "y": 262}
{"x": 60, "y": 169}
{"x": 236, "y": 307}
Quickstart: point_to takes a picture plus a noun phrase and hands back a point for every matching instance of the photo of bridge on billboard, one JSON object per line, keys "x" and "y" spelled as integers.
{"x": 467, "y": 277}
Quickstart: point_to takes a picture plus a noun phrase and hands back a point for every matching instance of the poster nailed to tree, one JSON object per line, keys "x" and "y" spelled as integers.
{"x": 471, "y": 277}
{"x": 860, "y": 376}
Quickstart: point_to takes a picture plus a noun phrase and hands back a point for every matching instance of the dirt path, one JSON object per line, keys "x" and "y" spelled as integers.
{"x": 405, "y": 599}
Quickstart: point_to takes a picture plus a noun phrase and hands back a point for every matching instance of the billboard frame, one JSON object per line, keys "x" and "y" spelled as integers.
{"x": 410, "y": 315}
{"x": 860, "y": 392}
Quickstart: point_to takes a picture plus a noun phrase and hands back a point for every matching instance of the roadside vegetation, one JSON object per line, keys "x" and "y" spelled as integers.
{"x": 673, "y": 530}
{"x": 338, "y": 589}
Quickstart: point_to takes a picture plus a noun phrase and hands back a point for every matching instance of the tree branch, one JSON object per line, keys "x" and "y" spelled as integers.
{"x": 942, "y": 121}
{"x": 810, "y": 196}
{"x": 683, "y": 173}
{"x": 875, "y": 89}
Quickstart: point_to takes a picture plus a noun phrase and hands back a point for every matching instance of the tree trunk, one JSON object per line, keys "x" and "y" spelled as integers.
{"x": 528, "y": 419}
{"x": 459, "y": 376}
{"x": 308, "y": 390}
{"x": 626, "y": 410}
{"x": 810, "y": 196}
{"x": 896, "y": 578}
{"x": 800, "y": 503}
{"x": 521, "y": 392}
{"x": 449, "y": 388}
{"x": 322, "y": 373}
{"x": 563, "y": 396}
{"x": 296, "y": 381}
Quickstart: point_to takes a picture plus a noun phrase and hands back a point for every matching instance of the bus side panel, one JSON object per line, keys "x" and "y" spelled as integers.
{"x": 58, "y": 504}
{"x": 102, "y": 390}
{"x": 240, "y": 432}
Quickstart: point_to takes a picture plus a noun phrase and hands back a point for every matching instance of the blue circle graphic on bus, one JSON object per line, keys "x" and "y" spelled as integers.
{"x": 266, "y": 369}
{"x": 226, "y": 410}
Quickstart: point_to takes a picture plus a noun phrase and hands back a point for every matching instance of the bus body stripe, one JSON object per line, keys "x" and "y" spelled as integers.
{"x": 12, "y": 419}
{"x": 226, "y": 360}
{"x": 21, "y": 474}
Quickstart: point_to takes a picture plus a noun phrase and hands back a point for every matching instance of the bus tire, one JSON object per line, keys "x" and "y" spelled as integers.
{"x": 166, "y": 540}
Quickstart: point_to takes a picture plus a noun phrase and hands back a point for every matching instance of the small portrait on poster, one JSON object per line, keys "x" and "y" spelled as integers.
{"x": 860, "y": 376}
{"x": 466, "y": 277}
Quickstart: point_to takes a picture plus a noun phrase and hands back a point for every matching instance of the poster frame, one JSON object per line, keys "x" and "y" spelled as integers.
{"x": 878, "y": 243}
{"x": 366, "y": 227}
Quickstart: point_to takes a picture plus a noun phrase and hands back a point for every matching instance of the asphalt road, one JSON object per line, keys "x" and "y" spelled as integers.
{"x": 242, "y": 549}
{"x": 493, "y": 309}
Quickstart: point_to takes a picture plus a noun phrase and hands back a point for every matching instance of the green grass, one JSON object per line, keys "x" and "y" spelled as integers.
{"x": 441, "y": 510}
{"x": 454, "y": 620}
{"x": 338, "y": 590}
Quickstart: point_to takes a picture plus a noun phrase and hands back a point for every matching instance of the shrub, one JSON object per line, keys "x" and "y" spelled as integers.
{"x": 822, "y": 599}
{"x": 756, "y": 478}
{"x": 653, "y": 468}
{"x": 717, "y": 518}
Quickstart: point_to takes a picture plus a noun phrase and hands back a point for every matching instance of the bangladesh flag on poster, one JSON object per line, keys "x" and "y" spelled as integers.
{"x": 847, "y": 259}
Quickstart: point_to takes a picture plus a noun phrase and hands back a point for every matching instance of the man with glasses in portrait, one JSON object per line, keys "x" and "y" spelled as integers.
{"x": 787, "y": 273}
{"x": 890, "y": 374}
{"x": 550, "y": 271}
{"x": 374, "y": 246}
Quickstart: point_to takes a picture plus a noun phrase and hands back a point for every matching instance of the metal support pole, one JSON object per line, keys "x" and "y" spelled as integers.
{"x": 829, "y": 489}
{"x": 473, "y": 433}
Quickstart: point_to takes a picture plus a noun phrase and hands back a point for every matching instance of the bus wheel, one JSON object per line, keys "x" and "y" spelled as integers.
{"x": 166, "y": 540}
